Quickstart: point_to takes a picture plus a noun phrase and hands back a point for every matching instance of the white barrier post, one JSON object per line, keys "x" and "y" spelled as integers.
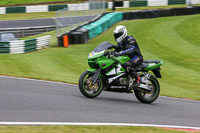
{"x": 17, "y": 47}
{"x": 2, "y": 10}
{"x": 195, "y": 1}
{"x": 126, "y": 4}
{"x": 43, "y": 42}
{"x": 82, "y": 6}
{"x": 40, "y": 8}
{"x": 110, "y": 5}
{"x": 157, "y": 2}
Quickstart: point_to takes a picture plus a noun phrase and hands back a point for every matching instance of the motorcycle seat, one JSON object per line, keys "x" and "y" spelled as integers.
{"x": 151, "y": 61}
{"x": 142, "y": 66}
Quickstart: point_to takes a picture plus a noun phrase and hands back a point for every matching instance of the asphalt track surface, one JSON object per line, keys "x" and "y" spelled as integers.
{"x": 27, "y": 23}
{"x": 38, "y": 101}
{"x": 44, "y": 22}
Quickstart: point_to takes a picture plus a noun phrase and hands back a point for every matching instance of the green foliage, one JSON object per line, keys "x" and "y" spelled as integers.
{"x": 175, "y": 40}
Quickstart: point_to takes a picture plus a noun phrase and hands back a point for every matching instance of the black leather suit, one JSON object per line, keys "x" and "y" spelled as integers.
{"x": 130, "y": 47}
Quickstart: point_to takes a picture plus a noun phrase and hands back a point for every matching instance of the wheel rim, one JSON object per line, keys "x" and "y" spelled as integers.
{"x": 89, "y": 88}
{"x": 152, "y": 93}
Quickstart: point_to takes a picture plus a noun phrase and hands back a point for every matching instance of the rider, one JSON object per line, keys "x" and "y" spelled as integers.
{"x": 127, "y": 45}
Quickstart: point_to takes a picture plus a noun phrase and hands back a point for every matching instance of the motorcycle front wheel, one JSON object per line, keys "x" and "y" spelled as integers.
{"x": 149, "y": 97}
{"x": 86, "y": 85}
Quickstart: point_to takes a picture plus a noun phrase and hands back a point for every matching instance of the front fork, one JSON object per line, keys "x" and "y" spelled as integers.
{"x": 95, "y": 76}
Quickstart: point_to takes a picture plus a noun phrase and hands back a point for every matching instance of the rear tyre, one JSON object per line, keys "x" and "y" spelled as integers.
{"x": 151, "y": 96}
{"x": 87, "y": 88}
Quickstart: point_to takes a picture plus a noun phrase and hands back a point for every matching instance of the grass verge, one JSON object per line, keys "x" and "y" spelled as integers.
{"x": 83, "y": 129}
{"x": 37, "y": 2}
{"x": 175, "y": 40}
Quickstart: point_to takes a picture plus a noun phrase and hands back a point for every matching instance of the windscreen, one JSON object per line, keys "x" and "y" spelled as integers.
{"x": 103, "y": 46}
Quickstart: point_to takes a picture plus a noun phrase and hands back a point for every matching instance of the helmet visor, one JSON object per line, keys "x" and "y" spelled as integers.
{"x": 117, "y": 35}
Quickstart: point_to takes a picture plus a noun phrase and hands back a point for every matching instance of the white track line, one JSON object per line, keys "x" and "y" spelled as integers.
{"x": 38, "y": 80}
{"x": 95, "y": 124}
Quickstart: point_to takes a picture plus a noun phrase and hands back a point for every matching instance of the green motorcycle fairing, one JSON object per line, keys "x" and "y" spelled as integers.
{"x": 152, "y": 66}
{"x": 104, "y": 62}
{"x": 96, "y": 60}
{"x": 122, "y": 59}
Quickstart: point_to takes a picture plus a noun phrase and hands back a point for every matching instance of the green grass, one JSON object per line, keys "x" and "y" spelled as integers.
{"x": 84, "y": 129}
{"x": 35, "y": 2}
{"x": 175, "y": 40}
{"x": 18, "y": 16}
{"x": 51, "y": 14}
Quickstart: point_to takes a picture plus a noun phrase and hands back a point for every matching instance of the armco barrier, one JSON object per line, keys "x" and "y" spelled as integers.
{"x": 118, "y": 4}
{"x": 161, "y": 13}
{"x": 138, "y": 3}
{"x": 30, "y": 45}
{"x": 24, "y": 46}
{"x": 175, "y": 2}
{"x": 97, "y": 5}
{"x": 15, "y": 10}
{"x": 4, "y": 47}
{"x": 56, "y": 7}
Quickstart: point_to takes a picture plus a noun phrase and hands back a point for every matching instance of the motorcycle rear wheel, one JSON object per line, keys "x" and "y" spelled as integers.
{"x": 86, "y": 87}
{"x": 153, "y": 95}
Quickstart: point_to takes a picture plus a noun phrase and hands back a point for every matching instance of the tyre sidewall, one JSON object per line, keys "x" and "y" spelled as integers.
{"x": 139, "y": 96}
{"x": 83, "y": 90}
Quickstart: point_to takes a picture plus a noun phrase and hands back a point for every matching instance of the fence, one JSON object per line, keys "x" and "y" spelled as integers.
{"x": 67, "y": 18}
{"x": 24, "y": 46}
{"x": 28, "y": 31}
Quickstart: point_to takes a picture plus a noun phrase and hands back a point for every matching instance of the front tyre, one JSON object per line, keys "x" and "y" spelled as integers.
{"x": 87, "y": 88}
{"x": 149, "y": 97}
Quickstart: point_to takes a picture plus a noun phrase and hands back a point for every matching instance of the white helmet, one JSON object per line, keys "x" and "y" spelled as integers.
{"x": 120, "y": 33}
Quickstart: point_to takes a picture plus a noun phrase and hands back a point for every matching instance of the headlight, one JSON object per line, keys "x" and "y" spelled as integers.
{"x": 90, "y": 54}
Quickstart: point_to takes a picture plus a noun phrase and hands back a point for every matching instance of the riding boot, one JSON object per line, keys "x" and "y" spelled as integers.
{"x": 137, "y": 79}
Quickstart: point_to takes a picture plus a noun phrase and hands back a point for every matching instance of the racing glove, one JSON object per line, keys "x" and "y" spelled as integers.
{"x": 116, "y": 54}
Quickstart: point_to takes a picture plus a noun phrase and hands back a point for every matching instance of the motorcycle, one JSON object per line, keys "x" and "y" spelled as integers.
{"x": 107, "y": 73}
